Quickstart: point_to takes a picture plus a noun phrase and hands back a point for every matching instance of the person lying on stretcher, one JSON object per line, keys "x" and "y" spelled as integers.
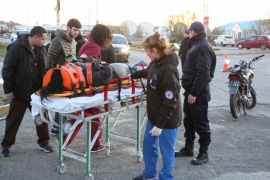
{"x": 55, "y": 86}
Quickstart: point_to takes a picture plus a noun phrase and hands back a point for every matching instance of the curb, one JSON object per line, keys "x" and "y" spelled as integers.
{"x": 218, "y": 53}
{"x": 4, "y": 109}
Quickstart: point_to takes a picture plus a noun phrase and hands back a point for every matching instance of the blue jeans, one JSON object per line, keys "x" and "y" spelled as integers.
{"x": 150, "y": 152}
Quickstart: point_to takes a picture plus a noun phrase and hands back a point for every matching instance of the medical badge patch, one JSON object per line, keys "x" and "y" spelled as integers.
{"x": 169, "y": 94}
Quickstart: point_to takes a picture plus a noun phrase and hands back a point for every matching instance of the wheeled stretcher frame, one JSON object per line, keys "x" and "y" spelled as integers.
{"x": 137, "y": 102}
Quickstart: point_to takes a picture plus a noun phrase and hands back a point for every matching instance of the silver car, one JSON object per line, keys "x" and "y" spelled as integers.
{"x": 224, "y": 40}
{"x": 121, "y": 47}
{"x": 17, "y": 33}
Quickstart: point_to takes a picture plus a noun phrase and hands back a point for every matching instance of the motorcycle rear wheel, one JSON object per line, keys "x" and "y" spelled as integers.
{"x": 235, "y": 105}
{"x": 253, "y": 99}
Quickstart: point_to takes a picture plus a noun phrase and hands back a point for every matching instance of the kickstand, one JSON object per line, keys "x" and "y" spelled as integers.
{"x": 244, "y": 110}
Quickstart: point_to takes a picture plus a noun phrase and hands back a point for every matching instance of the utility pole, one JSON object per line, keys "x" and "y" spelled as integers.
{"x": 57, "y": 9}
{"x": 27, "y": 19}
{"x": 205, "y": 16}
{"x": 97, "y": 11}
{"x": 89, "y": 18}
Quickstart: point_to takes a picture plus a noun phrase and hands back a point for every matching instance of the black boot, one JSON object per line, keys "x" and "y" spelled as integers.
{"x": 188, "y": 150}
{"x": 202, "y": 156}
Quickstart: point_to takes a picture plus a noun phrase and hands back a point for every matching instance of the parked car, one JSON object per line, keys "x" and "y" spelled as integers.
{"x": 121, "y": 47}
{"x": 14, "y": 35}
{"x": 259, "y": 41}
{"x": 224, "y": 40}
{"x": 3, "y": 29}
{"x": 86, "y": 34}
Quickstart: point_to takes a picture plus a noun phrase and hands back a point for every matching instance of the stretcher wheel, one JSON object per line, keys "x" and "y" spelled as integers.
{"x": 139, "y": 159}
{"x": 65, "y": 127}
{"x": 38, "y": 121}
{"x": 123, "y": 103}
{"x": 62, "y": 168}
{"x": 90, "y": 177}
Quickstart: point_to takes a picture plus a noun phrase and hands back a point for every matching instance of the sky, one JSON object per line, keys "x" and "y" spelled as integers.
{"x": 114, "y": 12}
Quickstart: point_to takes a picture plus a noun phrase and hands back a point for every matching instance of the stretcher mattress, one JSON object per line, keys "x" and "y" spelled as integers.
{"x": 69, "y": 104}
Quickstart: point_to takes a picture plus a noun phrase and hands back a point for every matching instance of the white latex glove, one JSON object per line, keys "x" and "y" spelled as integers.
{"x": 83, "y": 56}
{"x": 155, "y": 131}
{"x": 9, "y": 96}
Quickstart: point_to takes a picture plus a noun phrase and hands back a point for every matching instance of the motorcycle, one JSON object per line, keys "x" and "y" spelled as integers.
{"x": 242, "y": 94}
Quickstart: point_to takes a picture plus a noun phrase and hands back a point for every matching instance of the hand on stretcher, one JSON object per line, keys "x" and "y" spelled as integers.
{"x": 139, "y": 83}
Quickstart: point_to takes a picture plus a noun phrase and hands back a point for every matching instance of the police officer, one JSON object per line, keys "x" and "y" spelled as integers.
{"x": 198, "y": 72}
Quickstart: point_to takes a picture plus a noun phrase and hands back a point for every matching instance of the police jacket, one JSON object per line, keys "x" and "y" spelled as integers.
{"x": 17, "y": 68}
{"x": 199, "y": 66}
{"x": 163, "y": 88}
{"x": 60, "y": 49}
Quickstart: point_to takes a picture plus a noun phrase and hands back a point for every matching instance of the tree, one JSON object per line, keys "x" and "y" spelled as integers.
{"x": 139, "y": 32}
{"x": 114, "y": 29}
{"x": 178, "y": 32}
{"x": 187, "y": 18}
{"x": 177, "y": 24}
{"x": 125, "y": 29}
{"x": 218, "y": 30}
{"x": 260, "y": 27}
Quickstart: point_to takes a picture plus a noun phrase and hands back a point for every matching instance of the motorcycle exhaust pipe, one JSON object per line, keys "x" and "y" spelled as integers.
{"x": 245, "y": 100}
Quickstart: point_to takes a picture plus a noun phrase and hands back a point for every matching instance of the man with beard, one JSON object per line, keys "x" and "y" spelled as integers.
{"x": 63, "y": 46}
{"x": 23, "y": 70}
{"x": 62, "y": 49}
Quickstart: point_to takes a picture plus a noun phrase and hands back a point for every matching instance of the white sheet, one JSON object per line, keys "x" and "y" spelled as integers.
{"x": 66, "y": 103}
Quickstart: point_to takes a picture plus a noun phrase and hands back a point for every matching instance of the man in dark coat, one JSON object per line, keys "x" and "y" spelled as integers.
{"x": 185, "y": 46}
{"x": 198, "y": 72}
{"x": 23, "y": 71}
{"x": 108, "y": 55}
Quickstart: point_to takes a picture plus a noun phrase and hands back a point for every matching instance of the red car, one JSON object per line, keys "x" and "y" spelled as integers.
{"x": 259, "y": 41}
{"x": 3, "y": 29}
{"x": 86, "y": 34}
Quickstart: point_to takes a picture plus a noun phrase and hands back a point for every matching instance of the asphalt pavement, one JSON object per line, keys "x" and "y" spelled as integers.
{"x": 240, "y": 148}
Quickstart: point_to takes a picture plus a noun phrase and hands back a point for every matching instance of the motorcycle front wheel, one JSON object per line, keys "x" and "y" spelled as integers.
{"x": 235, "y": 104}
{"x": 252, "y": 98}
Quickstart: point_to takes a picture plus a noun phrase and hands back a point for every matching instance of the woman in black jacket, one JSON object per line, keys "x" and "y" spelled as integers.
{"x": 163, "y": 107}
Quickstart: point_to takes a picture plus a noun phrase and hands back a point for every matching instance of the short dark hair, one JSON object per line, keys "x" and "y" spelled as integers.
{"x": 52, "y": 35}
{"x": 100, "y": 34}
{"x": 74, "y": 23}
{"x": 37, "y": 30}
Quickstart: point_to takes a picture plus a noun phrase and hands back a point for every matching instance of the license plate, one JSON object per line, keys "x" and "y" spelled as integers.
{"x": 234, "y": 83}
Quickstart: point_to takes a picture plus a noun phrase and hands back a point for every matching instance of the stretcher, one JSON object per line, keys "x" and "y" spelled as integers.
{"x": 131, "y": 98}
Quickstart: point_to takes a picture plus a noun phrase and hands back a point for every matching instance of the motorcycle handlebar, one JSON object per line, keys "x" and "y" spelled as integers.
{"x": 259, "y": 57}
{"x": 241, "y": 63}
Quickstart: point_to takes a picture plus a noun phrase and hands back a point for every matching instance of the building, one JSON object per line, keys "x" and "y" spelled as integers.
{"x": 244, "y": 29}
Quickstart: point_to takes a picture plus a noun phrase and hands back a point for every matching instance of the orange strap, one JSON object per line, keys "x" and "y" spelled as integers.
{"x": 89, "y": 74}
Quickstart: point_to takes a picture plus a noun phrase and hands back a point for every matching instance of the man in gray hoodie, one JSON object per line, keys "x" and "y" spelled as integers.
{"x": 63, "y": 48}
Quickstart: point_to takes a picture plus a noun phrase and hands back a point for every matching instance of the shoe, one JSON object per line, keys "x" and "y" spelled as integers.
{"x": 5, "y": 152}
{"x": 188, "y": 150}
{"x": 100, "y": 148}
{"x": 202, "y": 156}
{"x": 54, "y": 131}
{"x": 140, "y": 177}
{"x": 47, "y": 149}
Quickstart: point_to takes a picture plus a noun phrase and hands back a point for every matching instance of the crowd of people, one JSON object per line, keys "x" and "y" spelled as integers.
{"x": 27, "y": 60}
